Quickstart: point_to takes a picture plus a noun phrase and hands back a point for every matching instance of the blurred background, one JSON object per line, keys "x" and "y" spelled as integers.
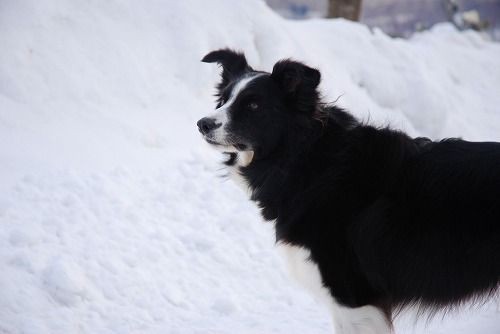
{"x": 399, "y": 18}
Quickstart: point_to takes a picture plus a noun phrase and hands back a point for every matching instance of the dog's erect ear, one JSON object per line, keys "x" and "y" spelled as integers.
{"x": 234, "y": 64}
{"x": 298, "y": 81}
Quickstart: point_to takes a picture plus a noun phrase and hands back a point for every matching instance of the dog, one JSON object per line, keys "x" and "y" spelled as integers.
{"x": 371, "y": 220}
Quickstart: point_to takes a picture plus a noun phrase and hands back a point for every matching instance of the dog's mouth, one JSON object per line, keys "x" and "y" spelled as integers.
{"x": 212, "y": 142}
{"x": 227, "y": 146}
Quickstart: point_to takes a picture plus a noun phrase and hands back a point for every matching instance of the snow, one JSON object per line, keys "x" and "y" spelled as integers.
{"x": 113, "y": 217}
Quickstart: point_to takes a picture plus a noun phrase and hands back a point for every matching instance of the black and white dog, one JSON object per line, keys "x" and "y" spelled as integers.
{"x": 370, "y": 219}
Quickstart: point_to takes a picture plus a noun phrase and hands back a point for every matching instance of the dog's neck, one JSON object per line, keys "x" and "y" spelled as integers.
{"x": 235, "y": 161}
{"x": 264, "y": 180}
{"x": 268, "y": 179}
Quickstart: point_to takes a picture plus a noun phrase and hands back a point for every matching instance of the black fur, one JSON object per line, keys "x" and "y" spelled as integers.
{"x": 391, "y": 221}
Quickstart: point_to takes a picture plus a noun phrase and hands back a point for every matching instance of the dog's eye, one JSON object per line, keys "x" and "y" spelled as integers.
{"x": 252, "y": 106}
{"x": 220, "y": 104}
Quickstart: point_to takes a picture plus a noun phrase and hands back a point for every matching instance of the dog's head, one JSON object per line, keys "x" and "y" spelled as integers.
{"x": 257, "y": 110}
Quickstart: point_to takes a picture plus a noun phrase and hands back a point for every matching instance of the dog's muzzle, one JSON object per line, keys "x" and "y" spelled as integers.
{"x": 207, "y": 125}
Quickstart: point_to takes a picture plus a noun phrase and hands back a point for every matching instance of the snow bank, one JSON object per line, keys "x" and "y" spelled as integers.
{"x": 113, "y": 220}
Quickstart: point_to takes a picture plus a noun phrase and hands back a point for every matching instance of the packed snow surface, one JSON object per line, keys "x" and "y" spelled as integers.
{"x": 113, "y": 217}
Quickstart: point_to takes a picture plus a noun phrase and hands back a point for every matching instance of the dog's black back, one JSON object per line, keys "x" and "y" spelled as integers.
{"x": 389, "y": 220}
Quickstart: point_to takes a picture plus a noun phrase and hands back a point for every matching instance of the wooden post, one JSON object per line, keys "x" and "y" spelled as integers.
{"x": 348, "y": 9}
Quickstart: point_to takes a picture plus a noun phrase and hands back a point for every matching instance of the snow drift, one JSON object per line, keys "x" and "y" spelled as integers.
{"x": 112, "y": 217}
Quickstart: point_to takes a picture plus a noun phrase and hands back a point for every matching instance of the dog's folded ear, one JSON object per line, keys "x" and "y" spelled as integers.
{"x": 293, "y": 76}
{"x": 298, "y": 81}
{"x": 234, "y": 64}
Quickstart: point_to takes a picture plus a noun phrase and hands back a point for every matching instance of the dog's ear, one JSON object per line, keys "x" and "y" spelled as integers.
{"x": 299, "y": 82}
{"x": 234, "y": 64}
{"x": 293, "y": 76}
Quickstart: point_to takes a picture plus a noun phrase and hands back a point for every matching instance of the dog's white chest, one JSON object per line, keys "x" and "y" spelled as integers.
{"x": 305, "y": 271}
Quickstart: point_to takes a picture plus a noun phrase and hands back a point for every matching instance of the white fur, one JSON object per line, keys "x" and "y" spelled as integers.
{"x": 220, "y": 117}
{"x": 243, "y": 159}
{"x": 362, "y": 320}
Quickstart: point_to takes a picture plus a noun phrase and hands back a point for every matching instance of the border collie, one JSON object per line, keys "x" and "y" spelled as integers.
{"x": 371, "y": 220}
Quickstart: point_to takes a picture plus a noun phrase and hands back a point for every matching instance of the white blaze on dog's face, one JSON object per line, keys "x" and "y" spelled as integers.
{"x": 219, "y": 136}
{"x": 255, "y": 109}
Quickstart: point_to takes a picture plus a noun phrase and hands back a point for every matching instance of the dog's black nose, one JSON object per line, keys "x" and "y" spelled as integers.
{"x": 205, "y": 125}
